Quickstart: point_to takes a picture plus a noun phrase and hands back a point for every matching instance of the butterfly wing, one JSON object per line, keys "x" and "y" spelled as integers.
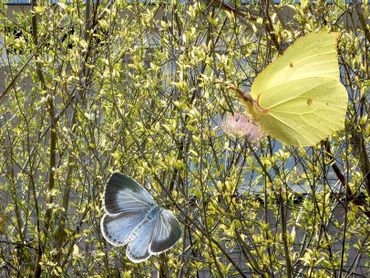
{"x": 138, "y": 249}
{"x": 167, "y": 232}
{"x": 124, "y": 194}
{"x": 312, "y": 55}
{"x": 301, "y": 100}
{"x": 316, "y": 111}
{"x": 117, "y": 229}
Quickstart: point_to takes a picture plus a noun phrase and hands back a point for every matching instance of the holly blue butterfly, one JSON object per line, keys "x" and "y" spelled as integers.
{"x": 132, "y": 217}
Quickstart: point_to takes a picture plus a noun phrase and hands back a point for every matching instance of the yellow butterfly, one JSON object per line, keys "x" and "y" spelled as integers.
{"x": 298, "y": 99}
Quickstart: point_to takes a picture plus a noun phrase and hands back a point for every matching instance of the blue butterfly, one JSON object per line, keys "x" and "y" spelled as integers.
{"x": 132, "y": 217}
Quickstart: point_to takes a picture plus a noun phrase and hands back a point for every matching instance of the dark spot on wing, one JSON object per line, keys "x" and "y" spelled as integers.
{"x": 309, "y": 101}
{"x": 291, "y": 65}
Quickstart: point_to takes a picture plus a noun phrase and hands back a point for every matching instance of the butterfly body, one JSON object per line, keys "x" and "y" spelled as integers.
{"x": 133, "y": 218}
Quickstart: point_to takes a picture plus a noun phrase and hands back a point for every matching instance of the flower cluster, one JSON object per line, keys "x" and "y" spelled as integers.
{"x": 239, "y": 125}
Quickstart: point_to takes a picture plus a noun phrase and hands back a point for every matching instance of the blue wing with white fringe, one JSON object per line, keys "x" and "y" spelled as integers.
{"x": 133, "y": 218}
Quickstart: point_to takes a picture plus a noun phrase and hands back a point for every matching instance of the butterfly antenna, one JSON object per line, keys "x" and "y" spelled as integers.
{"x": 242, "y": 95}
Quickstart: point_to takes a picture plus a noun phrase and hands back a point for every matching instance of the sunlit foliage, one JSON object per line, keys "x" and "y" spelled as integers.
{"x": 91, "y": 87}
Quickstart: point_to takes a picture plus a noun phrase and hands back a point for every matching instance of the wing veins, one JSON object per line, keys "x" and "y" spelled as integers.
{"x": 296, "y": 96}
{"x": 132, "y": 197}
{"x": 289, "y": 127}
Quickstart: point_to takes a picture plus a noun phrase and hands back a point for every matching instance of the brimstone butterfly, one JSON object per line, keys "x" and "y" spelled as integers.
{"x": 298, "y": 99}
